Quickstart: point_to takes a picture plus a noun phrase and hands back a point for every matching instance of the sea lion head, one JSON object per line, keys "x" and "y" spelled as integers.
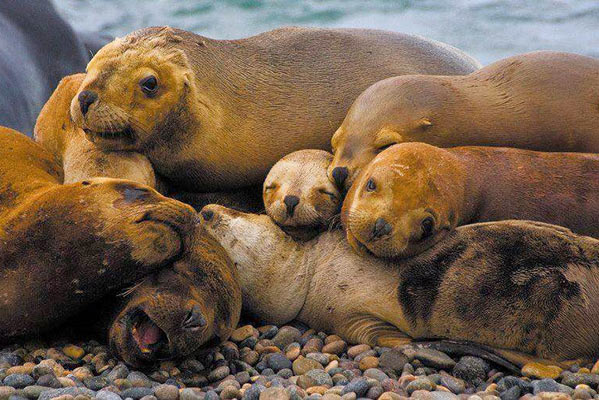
{"x": 394, "y": 110}
{"x": 403, "y": 202}
{"x": 172, "y": 313}
{"x": 119, "y": 221}
{"x": 297, "y": 192}
{"x": 136, "y": 91}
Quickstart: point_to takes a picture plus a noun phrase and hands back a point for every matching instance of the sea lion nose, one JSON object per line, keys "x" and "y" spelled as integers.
{"x": 291, "y": 202}
{"x": 339, "y": 176}
{"x": 86, "y": 99}
{"x": 381, "y": 228}
{"x": 207, "y": 215}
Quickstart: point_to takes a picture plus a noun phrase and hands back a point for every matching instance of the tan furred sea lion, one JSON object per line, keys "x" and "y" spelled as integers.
{"x": 217, "y": 114}
{"x": 297, "y": 193}
{"x": 174, "y": 312}
{"x": 79, "y": 158}
{"x": 529, "y": 290}
{"x": 545, "y": 101}
{"x": 412, "y": 194}
{"x": 64, "y": 246}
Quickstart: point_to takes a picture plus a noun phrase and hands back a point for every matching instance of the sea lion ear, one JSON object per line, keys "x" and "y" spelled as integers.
{"x": 425, "y": 123}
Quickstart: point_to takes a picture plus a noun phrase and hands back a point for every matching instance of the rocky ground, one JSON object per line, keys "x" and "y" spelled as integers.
{"x": 291, "y": 362}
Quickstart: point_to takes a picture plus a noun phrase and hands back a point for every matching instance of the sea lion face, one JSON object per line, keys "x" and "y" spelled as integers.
{"x": 165, "y": 318}
{"x": 153, "y": 227}
{"x": 399, "y": 205}
{"x": 297, "y": 192}
{"x": 134, "y": 92}
{"x": 383, "y": 115}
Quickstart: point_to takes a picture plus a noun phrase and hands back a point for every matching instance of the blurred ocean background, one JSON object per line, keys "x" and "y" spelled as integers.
{"x": 487, "y": 29}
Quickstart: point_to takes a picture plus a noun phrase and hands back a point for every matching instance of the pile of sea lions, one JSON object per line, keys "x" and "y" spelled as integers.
{"x": 378, "y": 242}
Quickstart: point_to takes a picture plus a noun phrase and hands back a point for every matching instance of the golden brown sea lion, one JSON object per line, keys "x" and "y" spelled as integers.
{"x": 217, "y": 114}
{"x": 297, "y": 193}
{"x": 544, "y": 101}
{"x": 527, "y": 289}
{"x": 172, "y": 313}
{"x": 64, "y": 246}
{"x": 81, "y": 159}
{"x": 412, "y": 194}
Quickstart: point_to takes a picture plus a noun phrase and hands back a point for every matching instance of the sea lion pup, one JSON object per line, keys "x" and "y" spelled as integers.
{"x": 63, "y": 246}
{"x": 412, "y": 194}
{"x": 79, "y": 158}
{"x": 529, "y": 290}
{"x": 174, "y": 312}
{"x": 542, "y": 101}
{"x": 217, "y": 114}
{"x": 298, "y": 195}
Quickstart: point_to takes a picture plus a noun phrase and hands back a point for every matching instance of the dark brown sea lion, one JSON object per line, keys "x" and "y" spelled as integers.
{"x": 64, "y": 246}
{"x": 529, "y": 290}
{"x": 544, "y": 101}
{"x": 413, "y": 194}
{"x": 172, "y": 313}
{"x": 215, "y": 115}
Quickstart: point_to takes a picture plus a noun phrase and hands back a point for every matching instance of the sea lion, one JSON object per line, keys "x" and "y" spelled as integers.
{"x": 529, "y": 290}
{"x": 80, "y": 159}
{"x": 544, "y": 101}
{"x": 64, "y": 246}
{"x": 172, "y": 313}
{"x": 297, "y": 193}
{"x": 217, "y": 114}
{"x": 413, "y": 194}
{"x": 37, "y": 48}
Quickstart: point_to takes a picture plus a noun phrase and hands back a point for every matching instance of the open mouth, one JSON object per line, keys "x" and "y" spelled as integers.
{"x": 150, "y": 339}
{"x": 127, "y": 134}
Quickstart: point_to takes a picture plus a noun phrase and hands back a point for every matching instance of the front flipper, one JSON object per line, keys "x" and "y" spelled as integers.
{"x": 368, "y": 329}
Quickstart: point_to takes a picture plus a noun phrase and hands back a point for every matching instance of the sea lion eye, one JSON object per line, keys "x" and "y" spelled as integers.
{"x": 270, "y": 187}
{"x": 370, "y": 185}
{"x": 385, "y": 147}
{"x": 427, "y": 226}
{"x": 330, "y": 194}
{"x": 149, "y": 85}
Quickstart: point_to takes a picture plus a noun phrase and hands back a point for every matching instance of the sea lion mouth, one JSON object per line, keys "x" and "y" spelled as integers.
{"x": 151, "y": 340}
{"x": 127, "y": 134}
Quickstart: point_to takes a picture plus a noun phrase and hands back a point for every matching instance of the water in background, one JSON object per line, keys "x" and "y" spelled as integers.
{"x": 487, "y": 29}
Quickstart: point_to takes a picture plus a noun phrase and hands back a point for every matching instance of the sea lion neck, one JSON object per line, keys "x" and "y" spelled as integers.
{"x": 282, "y": 278}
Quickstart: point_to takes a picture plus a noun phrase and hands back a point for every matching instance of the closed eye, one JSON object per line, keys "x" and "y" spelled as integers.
{"x": 331, "y": 194}
{"x": 383, "y": 148}
{"x": 270, "y": 187}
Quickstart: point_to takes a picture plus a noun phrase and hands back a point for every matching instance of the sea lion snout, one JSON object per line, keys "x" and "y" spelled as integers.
{"x": 290, "y": 203}
{"x": 86, "y": 99}
{"x": 339, "y": 175}
{"x": 381, "y": 228}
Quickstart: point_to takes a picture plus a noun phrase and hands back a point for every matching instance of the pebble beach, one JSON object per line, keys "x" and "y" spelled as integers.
{"x": 270, "y": 362}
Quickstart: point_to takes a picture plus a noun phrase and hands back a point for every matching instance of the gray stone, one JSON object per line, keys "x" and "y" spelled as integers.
{"x": 320, "y": 377}
{"x": 434, "y": 358}
{"x": 359, "y": 386}
{"x": 73, "y": 391}
{"x": 137, "y": 393}
{"x": 18, "y": 381}
{"x": 107, "y": 395}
